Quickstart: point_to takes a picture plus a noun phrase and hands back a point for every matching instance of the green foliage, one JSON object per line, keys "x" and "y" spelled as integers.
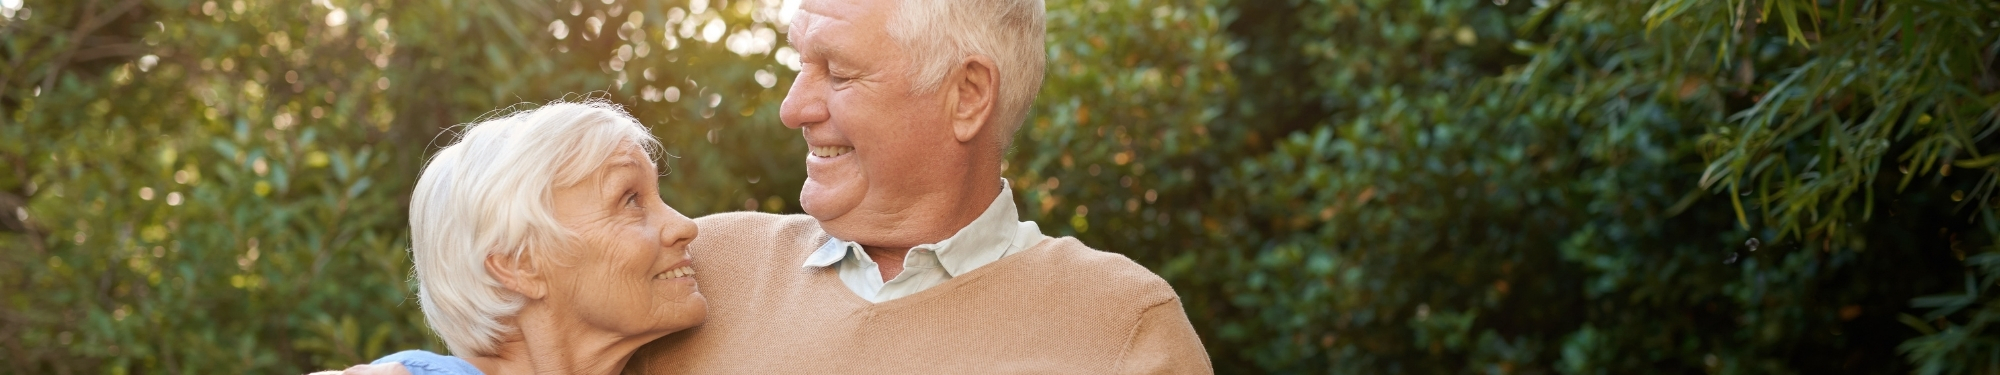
{"x": 1346, "y": 186}
{"x": 1576, "y": 186}
{"x": 221, "y": 186}
{"x": 188, "y": 209}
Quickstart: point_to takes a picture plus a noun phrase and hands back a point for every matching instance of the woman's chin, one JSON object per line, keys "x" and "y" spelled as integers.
{"x": 683, "y": 314}
{"x": 681, "y": 296}
{"x": 699, "y": 313}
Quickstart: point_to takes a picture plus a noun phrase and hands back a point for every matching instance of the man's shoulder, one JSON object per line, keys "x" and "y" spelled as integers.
{"x": 741, "y": 226}
{"x": 734, "y": 236}
{"x": 759, "y": 221}
{"x": 1103, "y": 270}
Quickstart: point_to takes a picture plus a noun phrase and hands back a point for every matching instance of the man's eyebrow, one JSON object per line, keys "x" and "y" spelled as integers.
{"x": 819, "y": 48}
{"x": 826, "y": 51}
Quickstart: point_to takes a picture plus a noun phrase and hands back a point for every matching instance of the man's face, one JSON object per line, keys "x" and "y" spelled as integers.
{"x": 875, "y": 146}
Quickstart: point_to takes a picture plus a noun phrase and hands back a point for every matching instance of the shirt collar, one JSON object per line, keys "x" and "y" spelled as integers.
{"x": 832, "y": 251}
{"x": 986, "y": 239}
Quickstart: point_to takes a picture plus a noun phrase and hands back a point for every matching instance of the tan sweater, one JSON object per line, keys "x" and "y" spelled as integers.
{"x": 1056, "y": 307}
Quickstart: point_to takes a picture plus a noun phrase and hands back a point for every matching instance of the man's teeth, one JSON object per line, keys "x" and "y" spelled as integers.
{"x": 673, "y": 273}
{"x": 830, "y": 151}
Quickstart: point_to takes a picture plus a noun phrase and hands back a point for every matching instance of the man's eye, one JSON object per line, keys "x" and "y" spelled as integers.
{"x": 837, "y": 79}
{"x": 632, "y": 200}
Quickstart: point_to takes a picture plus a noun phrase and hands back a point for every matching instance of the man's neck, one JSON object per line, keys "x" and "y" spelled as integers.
{"x": 889, "y": 259}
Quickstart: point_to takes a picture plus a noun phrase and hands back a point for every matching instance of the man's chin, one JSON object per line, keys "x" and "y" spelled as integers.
{"x": 826, "y": 203}
{"x": 820, "y": 215}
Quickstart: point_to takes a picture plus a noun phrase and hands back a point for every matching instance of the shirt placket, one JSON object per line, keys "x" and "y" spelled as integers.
{"x": 920, "y": 266}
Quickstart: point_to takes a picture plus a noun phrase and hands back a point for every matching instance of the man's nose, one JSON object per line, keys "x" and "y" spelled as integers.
{"x": 805, "y": 103}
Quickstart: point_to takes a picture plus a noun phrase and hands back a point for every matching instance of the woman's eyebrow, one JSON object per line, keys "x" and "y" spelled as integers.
{"x": 611, "y": 177}
{"x": 625, "y": 163}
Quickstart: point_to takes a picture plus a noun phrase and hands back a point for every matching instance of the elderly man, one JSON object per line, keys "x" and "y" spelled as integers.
{"x": 912, "y": 258}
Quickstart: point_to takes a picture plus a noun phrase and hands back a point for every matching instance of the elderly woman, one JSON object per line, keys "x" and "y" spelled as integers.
{"x": 542, "y": 246}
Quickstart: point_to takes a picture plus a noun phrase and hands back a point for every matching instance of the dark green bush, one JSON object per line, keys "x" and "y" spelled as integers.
{"x": 1596, "y": 187}
{"x": 1359, "y": 186}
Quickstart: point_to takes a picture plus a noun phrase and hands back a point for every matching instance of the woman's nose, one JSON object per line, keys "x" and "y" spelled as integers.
{"x": 678, "y": 231}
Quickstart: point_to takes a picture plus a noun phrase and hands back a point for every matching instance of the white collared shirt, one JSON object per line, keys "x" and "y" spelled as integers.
{"x": 996, "y": 233}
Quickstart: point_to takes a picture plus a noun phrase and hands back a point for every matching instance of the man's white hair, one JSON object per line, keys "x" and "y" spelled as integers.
{"x": 489, "y": 194}
{"x": 939, "y": 34}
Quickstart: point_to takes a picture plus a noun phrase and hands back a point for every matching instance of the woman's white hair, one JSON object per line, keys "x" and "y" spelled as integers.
{"x": 488, "y": 193}
{"x": 939, "y": 34}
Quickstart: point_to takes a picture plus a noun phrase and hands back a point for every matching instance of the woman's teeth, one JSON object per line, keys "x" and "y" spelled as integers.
{"x": 673, "y": 273}
{"x": 830, "y": 151}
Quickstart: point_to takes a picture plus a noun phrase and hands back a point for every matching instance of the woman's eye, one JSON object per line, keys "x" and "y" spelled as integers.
{"x": 632, "y": 200}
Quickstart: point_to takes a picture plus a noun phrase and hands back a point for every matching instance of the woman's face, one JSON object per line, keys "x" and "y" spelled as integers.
{"x": 629, "y": 271}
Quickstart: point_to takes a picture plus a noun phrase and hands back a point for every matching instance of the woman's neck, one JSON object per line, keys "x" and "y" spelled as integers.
{"x": 546, "y": 345}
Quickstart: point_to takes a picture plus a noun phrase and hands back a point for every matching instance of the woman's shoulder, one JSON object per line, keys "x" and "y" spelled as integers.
{"x": 381, "y": 369}
{"x": 419, "y": 362}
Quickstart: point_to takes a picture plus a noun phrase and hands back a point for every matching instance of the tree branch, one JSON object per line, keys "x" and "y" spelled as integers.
{"x": 89, "y": 24}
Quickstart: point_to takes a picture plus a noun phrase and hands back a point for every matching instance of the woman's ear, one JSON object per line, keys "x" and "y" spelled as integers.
{"x": 519, "y": 274}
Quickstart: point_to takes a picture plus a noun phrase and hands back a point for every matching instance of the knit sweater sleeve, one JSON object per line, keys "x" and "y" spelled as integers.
{"x": 1163, "y": 342}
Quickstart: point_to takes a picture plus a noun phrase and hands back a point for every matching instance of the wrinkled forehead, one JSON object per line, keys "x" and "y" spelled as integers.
{"x": 629, "y": 152}
{"x": 843, "y": 16}
{"x": 628, "y": 158}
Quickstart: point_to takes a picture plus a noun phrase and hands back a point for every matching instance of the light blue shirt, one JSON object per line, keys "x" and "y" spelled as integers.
{"x": 995, "y": 234}
{"x": 420, "y": 362}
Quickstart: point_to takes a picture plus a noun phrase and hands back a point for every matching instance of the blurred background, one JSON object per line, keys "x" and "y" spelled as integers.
{"x": 1332, "y": 186}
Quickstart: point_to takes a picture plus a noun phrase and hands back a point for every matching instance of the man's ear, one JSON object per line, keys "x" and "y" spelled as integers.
{"x": 975, "y": 92}
{"x": 518, "y": 274}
